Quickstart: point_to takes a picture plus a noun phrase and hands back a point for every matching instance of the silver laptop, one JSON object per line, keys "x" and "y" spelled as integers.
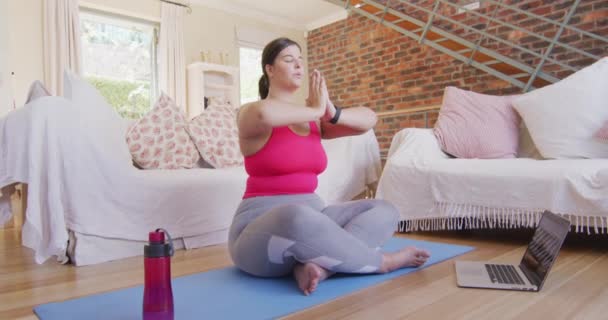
{"x": 531, "y": 272}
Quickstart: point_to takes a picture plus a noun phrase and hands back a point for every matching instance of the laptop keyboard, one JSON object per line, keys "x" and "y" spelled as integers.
{"x": 504, "y": 274}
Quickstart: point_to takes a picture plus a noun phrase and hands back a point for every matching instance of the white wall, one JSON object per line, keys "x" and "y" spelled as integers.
{"x": 144, "y": 8}
{"x": 214, "y": 30}
{"x": 25, "y": 44}
{"x": 206, "y": 29}
{"x": 5, "y": 93}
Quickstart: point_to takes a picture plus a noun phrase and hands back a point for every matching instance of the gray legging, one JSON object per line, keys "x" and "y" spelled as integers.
{"x": 270, "y": 234}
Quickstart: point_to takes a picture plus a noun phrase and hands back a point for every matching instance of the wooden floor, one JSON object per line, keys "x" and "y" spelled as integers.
{"x": 577, "y": 287}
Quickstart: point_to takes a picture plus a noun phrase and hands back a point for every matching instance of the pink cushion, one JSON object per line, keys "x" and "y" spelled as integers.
{"x": 222, "y": 101}
{"x": 602, "y": 134}
{"x": 216, "y": 137}
{"x": 159, "y": 139}
{"x": 474, "y": 125}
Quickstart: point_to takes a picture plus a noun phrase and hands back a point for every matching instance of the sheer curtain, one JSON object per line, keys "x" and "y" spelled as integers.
{"x": 61, "y": 42}
{"x": 172, "y": 59}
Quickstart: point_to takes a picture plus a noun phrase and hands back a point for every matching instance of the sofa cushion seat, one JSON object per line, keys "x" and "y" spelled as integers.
{"x": 426, "y": 184}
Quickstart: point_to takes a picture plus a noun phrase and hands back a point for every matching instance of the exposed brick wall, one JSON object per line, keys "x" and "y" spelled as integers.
{"x": 369, "y": 64}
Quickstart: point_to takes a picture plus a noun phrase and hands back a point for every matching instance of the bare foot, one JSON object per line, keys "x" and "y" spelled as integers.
{"x": 406, "y": 257}
{"x": 308, "y": 276}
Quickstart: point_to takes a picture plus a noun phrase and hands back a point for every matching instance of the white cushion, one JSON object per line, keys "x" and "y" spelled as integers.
{"x": 104, "y": 126}
{"x": 563, "y": 117}
{"x": 527, "y": 149}
{"x": 37, "y": 90}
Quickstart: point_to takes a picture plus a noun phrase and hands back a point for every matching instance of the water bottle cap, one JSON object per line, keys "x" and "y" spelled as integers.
{"x": 156, "y": 237}
{"x": 157, "y": 246}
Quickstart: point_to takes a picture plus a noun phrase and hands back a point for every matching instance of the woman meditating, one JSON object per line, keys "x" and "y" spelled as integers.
{"x": 282, "y": 226}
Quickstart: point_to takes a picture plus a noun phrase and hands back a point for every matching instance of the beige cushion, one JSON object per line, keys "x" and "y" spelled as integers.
{"x": 563, "y": 117}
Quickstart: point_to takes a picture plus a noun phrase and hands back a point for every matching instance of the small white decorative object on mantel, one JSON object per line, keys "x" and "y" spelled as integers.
{"x": 210, "y": 80}
{"x": 220, "y": 57}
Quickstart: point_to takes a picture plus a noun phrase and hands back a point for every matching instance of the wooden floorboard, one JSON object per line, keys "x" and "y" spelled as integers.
{"x": 577, "y": 287}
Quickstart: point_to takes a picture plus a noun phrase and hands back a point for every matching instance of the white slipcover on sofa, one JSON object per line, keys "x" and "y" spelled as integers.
{"x": 434, "y": 192}
{"x": 84, "y": 190}
{"x": 561, "y": 160}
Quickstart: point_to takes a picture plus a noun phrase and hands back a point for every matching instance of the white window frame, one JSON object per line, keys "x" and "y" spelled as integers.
{"x": 259, "y": 67}
{"x": 125, "y": 20}
{"x": 252, "y": 38}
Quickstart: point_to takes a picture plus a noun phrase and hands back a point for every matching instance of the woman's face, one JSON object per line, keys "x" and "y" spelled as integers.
{"x": 288, "y": 68}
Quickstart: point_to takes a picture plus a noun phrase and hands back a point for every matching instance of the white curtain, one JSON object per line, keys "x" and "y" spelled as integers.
{"x": 62, "y": 50}
{"x": 172, "y": 59}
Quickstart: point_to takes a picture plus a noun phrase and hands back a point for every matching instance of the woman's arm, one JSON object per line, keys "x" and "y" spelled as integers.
{"x": 352, "y": 121}
{"x": 257, "y": 118}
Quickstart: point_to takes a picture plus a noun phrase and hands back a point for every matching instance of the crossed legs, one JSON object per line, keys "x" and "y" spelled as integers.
{"x": 313, "y": 244}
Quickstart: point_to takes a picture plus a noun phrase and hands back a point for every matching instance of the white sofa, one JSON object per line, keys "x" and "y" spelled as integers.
{"x": 435, "y": 192}
{"x": 561, "y": 121}
{"x": 87, "y": 201}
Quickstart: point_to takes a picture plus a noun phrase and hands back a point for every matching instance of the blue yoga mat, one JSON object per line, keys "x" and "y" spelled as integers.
{"x": 231, "y": 294}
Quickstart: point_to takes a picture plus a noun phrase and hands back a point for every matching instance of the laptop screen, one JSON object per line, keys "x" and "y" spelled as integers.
{"x": 544, "y": 247}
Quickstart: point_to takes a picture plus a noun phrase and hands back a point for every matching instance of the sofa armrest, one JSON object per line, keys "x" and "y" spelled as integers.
{"x": 417, "y": 142}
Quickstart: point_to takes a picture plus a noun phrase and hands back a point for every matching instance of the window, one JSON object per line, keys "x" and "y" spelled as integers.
{"x": 250, "y": 73}
{"x": 119, "y": 59}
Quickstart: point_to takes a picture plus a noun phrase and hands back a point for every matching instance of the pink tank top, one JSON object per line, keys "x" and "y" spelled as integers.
{"x": 287, "y": 164}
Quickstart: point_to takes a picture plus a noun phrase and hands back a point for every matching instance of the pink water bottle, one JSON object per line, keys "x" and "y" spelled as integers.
{"x": 158, "y": 296}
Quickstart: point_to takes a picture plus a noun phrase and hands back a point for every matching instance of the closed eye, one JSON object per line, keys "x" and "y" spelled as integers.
{"x": 290, "y": 58}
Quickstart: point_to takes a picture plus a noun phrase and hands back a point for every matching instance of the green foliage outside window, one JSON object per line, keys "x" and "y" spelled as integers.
{"x": 131, "y": 99}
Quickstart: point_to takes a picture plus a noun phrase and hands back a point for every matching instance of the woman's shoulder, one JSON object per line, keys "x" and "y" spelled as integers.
{"x": 250, "y": 105}
{"x": 245, "y": 108}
